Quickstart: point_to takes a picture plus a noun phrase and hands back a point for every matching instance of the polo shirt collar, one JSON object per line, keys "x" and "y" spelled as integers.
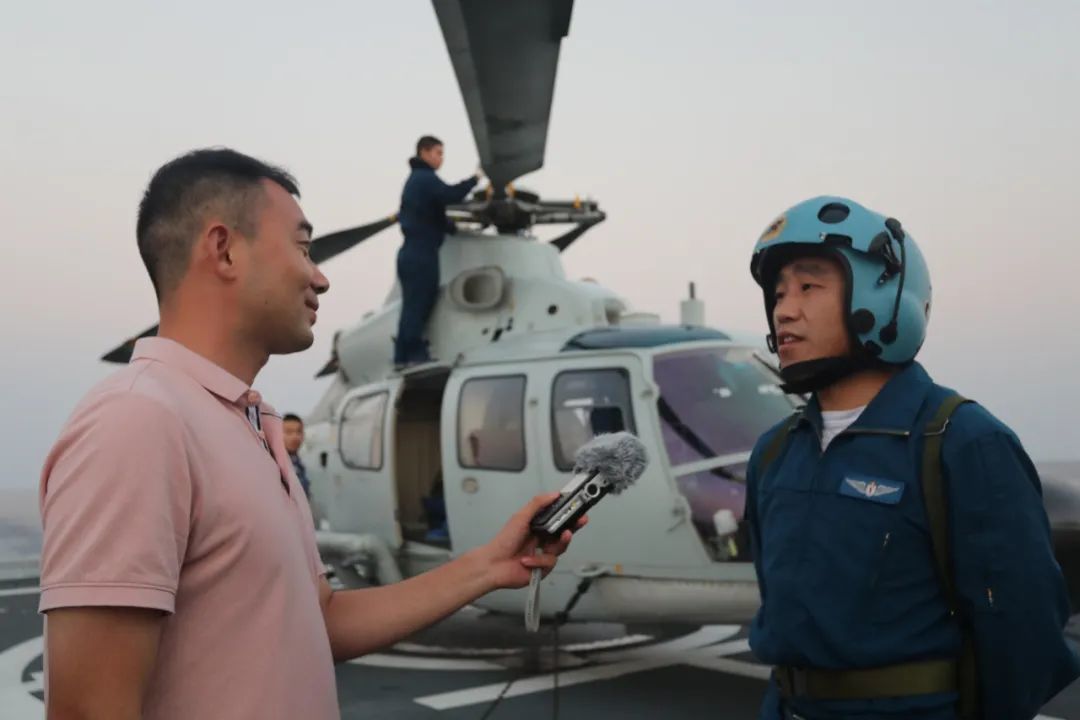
{"x": 211, "y": 376}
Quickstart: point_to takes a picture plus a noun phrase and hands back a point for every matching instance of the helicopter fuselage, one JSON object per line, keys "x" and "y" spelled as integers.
{"x": 471, "y": 439}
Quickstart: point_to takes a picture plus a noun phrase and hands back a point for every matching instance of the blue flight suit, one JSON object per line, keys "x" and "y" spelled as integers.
{"x": 424, "y": 224}
{"x": 847, "y": 575}
{"x": 301, "y": 474}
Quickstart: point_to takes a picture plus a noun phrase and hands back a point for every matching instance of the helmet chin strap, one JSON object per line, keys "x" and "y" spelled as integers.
{"x": 812, "y": 376}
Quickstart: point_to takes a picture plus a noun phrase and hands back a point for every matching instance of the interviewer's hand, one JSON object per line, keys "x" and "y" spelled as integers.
{"x": 509, "y": 557}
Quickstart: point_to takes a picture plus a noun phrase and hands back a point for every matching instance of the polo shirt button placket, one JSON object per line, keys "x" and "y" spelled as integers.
{"x": 252, "y": 401}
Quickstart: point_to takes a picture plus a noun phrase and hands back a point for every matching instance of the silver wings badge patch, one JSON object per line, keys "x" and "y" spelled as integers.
{"x": 871, "y": 489}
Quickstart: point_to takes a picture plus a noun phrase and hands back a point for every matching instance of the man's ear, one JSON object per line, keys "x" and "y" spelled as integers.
{"x": 220, "y": 246}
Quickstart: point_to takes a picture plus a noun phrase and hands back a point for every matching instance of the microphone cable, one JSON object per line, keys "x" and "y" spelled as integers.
{"x": 561, "y": 618}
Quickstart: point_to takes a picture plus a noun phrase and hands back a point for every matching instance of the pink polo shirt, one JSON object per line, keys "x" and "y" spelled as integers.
{"x": 160, "y": 494}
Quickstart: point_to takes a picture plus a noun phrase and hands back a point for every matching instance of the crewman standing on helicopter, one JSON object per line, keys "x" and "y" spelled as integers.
{"x": 424, "y": 225}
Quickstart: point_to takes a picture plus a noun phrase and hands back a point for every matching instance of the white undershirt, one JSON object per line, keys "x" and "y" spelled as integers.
{"x": 835, "y": 422}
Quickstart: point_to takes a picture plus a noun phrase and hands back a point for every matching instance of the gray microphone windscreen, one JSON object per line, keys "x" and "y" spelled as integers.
{"x": 620, "y": 457}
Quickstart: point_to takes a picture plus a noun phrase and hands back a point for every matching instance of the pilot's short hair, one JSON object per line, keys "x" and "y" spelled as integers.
{"x": 292, "y": 416}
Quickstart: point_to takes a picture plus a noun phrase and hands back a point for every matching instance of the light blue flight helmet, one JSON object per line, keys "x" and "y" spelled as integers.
{"x": 888, "y": 283}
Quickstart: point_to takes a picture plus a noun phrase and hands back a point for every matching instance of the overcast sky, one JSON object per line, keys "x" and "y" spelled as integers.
{"x": 693, "y": 123}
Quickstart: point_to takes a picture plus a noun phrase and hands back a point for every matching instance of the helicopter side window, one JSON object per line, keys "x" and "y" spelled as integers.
{"x": 491, "y": 423}
{"x": 361, "y": 436}
{"x": 586, "y": 403}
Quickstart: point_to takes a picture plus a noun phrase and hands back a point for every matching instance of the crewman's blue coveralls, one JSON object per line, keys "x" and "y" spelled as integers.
{"x": 848, "y": 578}
{"x": 424, "y": 224}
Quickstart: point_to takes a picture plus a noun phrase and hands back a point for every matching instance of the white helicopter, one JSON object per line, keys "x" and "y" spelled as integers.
{"x": 410, "y": 468}
{"x": 533, "y": 365}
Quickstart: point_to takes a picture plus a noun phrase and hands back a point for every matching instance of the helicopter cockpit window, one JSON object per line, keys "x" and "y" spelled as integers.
{"x": 715, "y": 402}
{"x": 361, "y": 438}
{"x": 491, "y": 423}
{"x": 586, "y": 403}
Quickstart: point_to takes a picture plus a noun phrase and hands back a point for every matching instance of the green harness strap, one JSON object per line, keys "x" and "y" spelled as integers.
{"x": 933, "y": 486}
{"x": 779, "y": 440}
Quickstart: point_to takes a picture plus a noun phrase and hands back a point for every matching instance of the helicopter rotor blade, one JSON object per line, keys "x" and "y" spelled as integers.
{"x": 327, "y": 246}
{"x": 322, "y": 248}
{"x": 329, "y": 368}
{"x": 122, "y": 353}
{"x": 566, "y": 239}
{"x": 505, "y": 54}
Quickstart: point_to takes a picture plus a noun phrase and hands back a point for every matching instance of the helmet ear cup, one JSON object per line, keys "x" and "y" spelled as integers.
{"x": 862, "y": 321}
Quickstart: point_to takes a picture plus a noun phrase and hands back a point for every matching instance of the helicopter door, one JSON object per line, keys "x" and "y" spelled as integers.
{"x": 418, "y": 457}
{"x": 586, "y": 396}
{"x": 363, "y": 497}
{"x": 487, "y": 472}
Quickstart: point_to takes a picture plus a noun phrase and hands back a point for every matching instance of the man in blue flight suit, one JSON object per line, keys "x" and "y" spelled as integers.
{"x": 424, "y": 224}
{"x": 293, "y": 427}
{"x": 904, "y": 556}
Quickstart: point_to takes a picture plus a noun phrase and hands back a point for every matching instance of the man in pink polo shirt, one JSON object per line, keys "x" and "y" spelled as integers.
{"x": 180, "y": 577}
